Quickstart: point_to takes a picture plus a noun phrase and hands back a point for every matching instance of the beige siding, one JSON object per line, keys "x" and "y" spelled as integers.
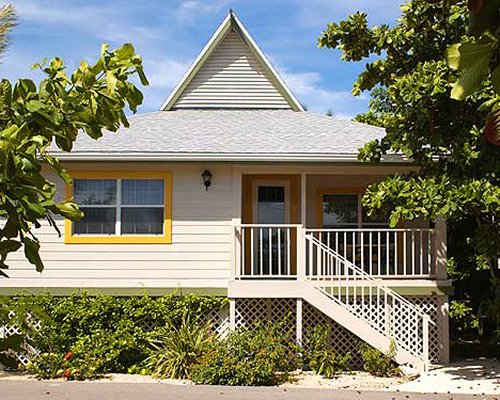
{"x": 231, "y": 77}
{"x": 198, "y": 257}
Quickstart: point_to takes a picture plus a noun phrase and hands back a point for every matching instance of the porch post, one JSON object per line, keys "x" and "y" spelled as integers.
{"x": 232, "y": 314}
{"x": 303, "y": 199}
{"x": 444, "y": 328}
{"x": 440, "y": 252}
{"x": 299, "y": 321}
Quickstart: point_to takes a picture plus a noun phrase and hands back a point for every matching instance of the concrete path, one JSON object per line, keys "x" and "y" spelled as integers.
{"x": 468, "y": 377}
{"x": 47, "y": 390}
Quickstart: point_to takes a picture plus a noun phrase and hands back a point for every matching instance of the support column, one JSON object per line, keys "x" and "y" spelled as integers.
{"x": 303, "y": 199}
{"x": 299, "y": 321}
{"x": 444, "y": 328}
{"x": 441, "y": 249}
{"x": 232, "y": 314}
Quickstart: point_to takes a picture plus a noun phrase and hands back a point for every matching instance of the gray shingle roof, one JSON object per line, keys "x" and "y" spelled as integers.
{"x": 227, "y": 133}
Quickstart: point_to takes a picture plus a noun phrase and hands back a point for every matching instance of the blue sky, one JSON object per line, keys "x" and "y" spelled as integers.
{"x": 170, "y": 33}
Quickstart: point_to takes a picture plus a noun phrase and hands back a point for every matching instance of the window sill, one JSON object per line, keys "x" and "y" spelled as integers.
{"x": 165, "y": 239}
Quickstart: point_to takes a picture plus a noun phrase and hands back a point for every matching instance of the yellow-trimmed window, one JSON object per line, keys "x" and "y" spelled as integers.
{"x": 341, "y": 208}
{"x": 121, "y": 207}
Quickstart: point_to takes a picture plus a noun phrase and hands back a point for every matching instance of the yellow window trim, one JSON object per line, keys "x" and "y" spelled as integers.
{"x": 319, "y": 199}
{"x": 166, "y": 238}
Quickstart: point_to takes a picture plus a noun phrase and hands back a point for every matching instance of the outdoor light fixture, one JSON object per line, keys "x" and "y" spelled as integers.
{"x": 207, "y": 178}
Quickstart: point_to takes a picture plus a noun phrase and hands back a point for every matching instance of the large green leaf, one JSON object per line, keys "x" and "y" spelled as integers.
{"x": 31, "y": 251}
{"x": 472, "y": 78}
{"x": 465, "y": 55}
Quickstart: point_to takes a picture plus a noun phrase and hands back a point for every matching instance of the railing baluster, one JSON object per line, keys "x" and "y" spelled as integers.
{"x": 413, "y": 252}
{"x": 242, "y": 253}
{"x": 371, "y": 255}
{"x": 404, "y": 253}
{"x": 252, "y": 250}
{"x": 288, "y": 249}
{"x": 279, "y": 250}
{"x": 387, "y": 255}
{"x": 378, "y": 257}
{"x": 362, "y": 250}
{"x": 261, "y": 246}
{"x": 396, "y": 253}
{"x": 270, "y": 249}
{"x": 421, "y": 250}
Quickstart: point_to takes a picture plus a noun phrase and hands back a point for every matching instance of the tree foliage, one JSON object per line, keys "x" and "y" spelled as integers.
{"x": 35, "y": 119}
{"x": 411, "y": 84}
{"x": 8, "y": 19}
{"x": 477, "y": 57}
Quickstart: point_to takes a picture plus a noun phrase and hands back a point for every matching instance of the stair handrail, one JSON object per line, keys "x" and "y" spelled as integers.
{"x": 386, "y": 291}
{"x": 359, "y": 271}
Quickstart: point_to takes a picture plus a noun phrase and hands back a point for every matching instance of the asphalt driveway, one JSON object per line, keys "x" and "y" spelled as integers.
{"x": 47, "y": 390}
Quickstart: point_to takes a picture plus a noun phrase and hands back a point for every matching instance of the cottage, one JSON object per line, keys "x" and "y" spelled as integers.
{"x": 233, "y": 188}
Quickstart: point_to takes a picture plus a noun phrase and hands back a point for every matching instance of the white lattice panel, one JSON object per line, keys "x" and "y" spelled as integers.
{"x": 342, "y": 341}
{"x": 251, "y": 311}
{"x": 429, "y": 305}
{"x": 9, "y": 330}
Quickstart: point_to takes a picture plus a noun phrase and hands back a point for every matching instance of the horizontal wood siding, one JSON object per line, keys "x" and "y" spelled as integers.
{"x": 231, "y": 77}
{"x": 199, "y": 256}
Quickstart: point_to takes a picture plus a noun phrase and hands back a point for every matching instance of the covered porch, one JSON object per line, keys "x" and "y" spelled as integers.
{"x": 279, "y": 211}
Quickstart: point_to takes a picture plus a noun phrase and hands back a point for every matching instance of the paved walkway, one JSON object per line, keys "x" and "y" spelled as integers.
{"x": 468, "y": 377}
{"x": 46, "y": 390}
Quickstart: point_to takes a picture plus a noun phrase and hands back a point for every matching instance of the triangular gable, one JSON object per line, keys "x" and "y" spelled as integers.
{"x": 231, "y": 72}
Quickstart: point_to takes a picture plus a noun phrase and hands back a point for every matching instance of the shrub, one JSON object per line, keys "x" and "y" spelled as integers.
{"x": 246, "y": 358}
{"x": 377, "y": 363}
{"x": 105, "y": 333}
{"x": 317, "y": 354}
{"x": 177, "y": 348}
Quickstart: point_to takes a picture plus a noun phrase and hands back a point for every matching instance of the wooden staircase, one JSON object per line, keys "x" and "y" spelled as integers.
{"x": 365, "y": 306}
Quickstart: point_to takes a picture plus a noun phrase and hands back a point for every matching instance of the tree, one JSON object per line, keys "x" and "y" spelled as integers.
{"x": 411, "y": 84}
{"x": 35, "y": 119}
{"x": 8, "y": 19}
{"x": 477, "y": 57}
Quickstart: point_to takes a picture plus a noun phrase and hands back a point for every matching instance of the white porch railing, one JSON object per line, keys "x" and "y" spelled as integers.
{"x": 391, "y": 253}
{"x": 267, "y": 251}
{"x": 280, "y": 251}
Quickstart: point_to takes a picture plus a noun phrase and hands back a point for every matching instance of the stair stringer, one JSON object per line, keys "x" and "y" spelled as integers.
{"x": 356, "y": 325}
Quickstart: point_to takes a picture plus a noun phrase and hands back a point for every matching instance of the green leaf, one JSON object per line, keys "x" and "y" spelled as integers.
{"x": 9, "y": 246}
{"x": 471, "y": 79}
{"x": 465, "y": 55}
{"x": 495, "y": 79}
{"x": 31, "y": 251}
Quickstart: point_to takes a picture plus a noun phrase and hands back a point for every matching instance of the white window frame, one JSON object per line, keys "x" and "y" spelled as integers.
{"x": 118, "y": 209}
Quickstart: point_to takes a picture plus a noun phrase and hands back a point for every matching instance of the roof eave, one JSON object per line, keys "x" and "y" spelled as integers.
{"x": 222, "y": 157}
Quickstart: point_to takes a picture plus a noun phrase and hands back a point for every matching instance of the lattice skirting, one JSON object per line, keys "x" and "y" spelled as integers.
{"x": 251, "y": 311}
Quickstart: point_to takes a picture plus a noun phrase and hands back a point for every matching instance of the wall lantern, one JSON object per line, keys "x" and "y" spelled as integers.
{"x": 207, "y": 178}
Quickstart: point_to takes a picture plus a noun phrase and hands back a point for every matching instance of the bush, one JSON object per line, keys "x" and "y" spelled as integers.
{"x": 177, "y": 348}
{"x": 246, "y": 358}
{"x": 105, "y": 333}
{"x": 377, "y": 363}
{"x": 317, "y": 354}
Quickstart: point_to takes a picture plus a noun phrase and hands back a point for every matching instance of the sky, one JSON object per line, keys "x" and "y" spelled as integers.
{"x": 169, "y": 34}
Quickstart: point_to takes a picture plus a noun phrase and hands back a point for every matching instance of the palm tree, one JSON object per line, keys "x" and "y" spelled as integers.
{"x": 8, "y": 19}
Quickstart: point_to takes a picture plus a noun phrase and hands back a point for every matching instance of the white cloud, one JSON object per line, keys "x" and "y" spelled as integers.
{"x": 91, "y": 19}
{"x": 164, "y": 73}
{"x": 189, "y": 10}
{"x": 308, "y": 88}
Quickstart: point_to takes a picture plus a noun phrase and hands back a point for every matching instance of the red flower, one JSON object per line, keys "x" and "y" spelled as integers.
{"x": 67, "y": 373}
{"x": 68, "y": 355}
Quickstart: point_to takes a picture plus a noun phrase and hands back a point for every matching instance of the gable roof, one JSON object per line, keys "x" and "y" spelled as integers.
{"x": 231, "y": 72}
{"x": 229, "y": 135}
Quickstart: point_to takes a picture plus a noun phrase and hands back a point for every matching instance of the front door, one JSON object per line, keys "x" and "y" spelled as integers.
{"x": 271, "y": 206}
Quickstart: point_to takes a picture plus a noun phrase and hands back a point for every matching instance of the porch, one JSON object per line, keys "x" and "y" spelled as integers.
{"x": 307, "y": 238}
